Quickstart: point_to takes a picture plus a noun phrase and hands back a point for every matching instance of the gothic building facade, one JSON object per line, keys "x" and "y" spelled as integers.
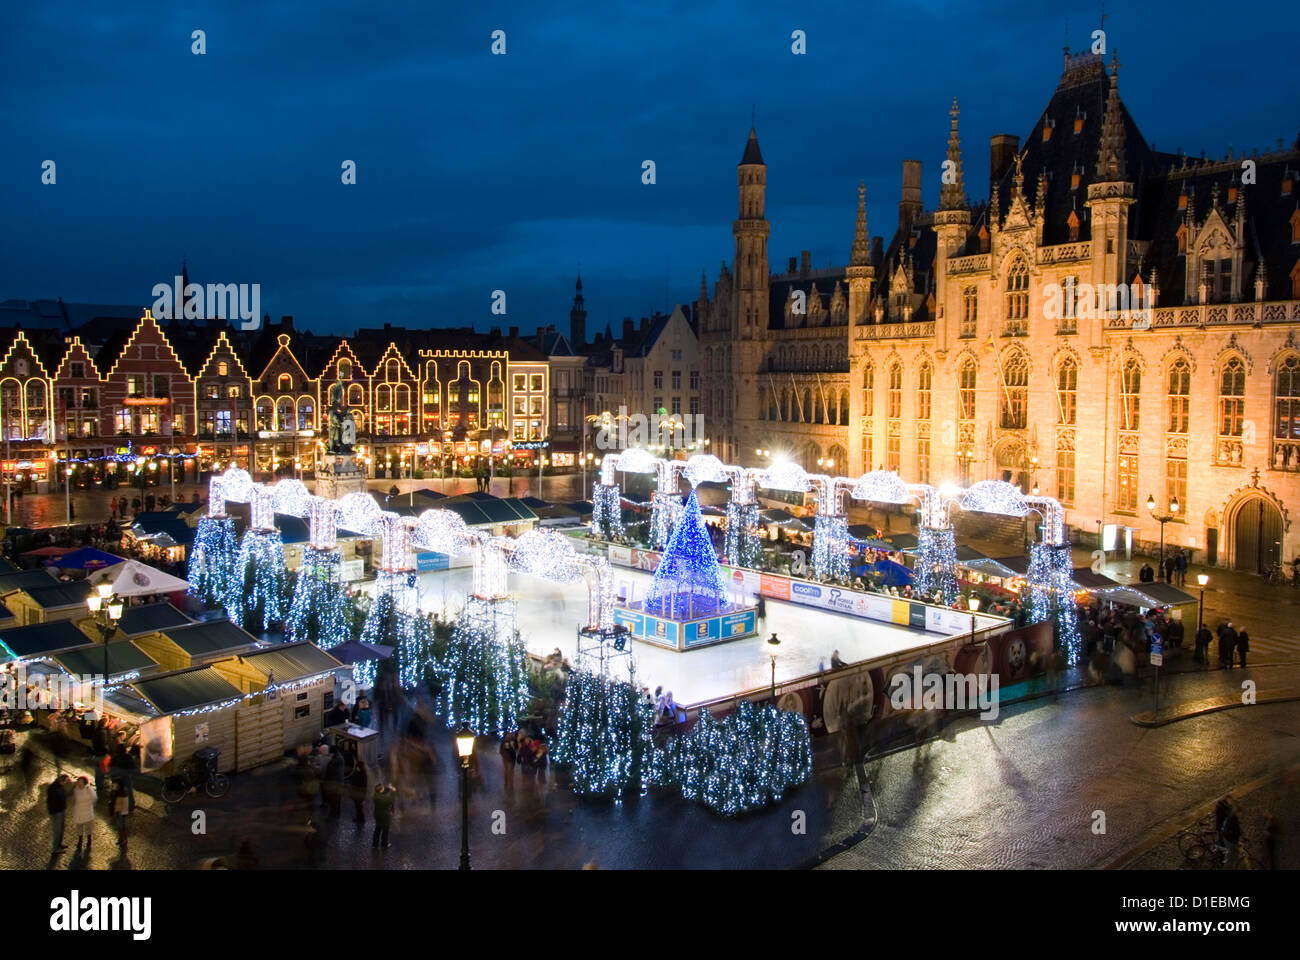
{"x": 1113, "y": 325}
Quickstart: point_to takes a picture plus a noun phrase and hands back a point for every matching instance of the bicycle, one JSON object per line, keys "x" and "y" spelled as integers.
{"x": 1199, "y": 843}
{"x": 1274, "y": 574}
{"x": 176, "y": 788}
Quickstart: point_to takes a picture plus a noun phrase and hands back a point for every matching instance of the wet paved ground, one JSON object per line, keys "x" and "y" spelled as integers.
{"x": 1023, "y": 791}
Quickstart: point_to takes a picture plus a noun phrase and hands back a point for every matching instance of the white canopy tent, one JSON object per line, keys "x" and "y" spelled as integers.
{"x": 136, "y": 579}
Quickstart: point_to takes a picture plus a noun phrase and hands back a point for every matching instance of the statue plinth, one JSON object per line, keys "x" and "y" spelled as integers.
{"x": 337, "y": 475}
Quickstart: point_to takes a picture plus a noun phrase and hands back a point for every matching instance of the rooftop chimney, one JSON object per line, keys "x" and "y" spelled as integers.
{"x": 286, "y": 322}
{"x": 794, "y": 265}
{"x": 628, "y": 328}
{"x": 909, "y": 205}
{"x": 1003, "y": 148}
{"x": 514, "y": 331}
{"x": 805, "y": 262}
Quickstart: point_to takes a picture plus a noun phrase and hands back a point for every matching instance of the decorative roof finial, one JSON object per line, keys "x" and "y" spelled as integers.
{"x": 952, "y": 196}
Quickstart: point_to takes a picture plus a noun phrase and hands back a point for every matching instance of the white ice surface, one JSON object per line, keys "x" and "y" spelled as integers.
{"x": 550, "y": 614}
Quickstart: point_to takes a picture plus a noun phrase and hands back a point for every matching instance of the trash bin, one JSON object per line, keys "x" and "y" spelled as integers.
{"x": 205, "y": 761}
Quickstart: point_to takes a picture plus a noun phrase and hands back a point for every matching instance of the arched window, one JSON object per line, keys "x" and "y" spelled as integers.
{"x": 1232, "y": 398}
{"x": 356, "y": 395}
{"x": 1015, "y": 392}
{"x": 970, "y": 300}
{"x": 1180, "y": 395}
{"x": 844, "y": 414}
{"x": 383, "y": 398}
{"x": 966, "y": 376}
{"x": 392, "y": 371}
{"x": 284, "y": 414}
{"x": 894, "y": 394}
{"x": 1067, "y": 392}
{"x": 345, "y": 370}
{"x": 1286, "y": 420}
{"x": 263, "y": 413}
{"x": 807, "y": 406}
{"x": 819, "y": 408}
{"x": 924, "y": 383}
{"x": 868, "y": 389}
{"x": 1016, "y": 321}
{"x": 306, "y": 413}
{"x": 1130, "y": 390}
{"x": 223, "y": 368}
{"x": 284, "y": 383}
{"x": 1065, "y": 468}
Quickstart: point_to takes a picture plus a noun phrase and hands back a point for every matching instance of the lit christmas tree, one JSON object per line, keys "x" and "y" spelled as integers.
{"x": 936, "y": 548}
{"x": 256, "y": 599}
{"x": 320, "y": 613}
{"x": 606, "y": 511}
{"x": 604, "y": 735}
{"x": 485, "y": 674}
{"x": 212, "y": 560}
{"x": 743, "y": 547}
{"x": 391, "y": 621}
{"x": 687, "y": 582}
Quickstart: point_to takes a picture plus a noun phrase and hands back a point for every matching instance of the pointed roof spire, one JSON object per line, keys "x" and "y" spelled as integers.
{"x": 704, "y": 288}
{"x": 752, "y": 153}
{"x": 1110, "y": 154}
{"x": 952, "y": 196}
{"x": 579, "y": 287}
{"x": 861, "y": 256}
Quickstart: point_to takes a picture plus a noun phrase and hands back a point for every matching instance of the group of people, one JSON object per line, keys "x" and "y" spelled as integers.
{"x": 530, "y": 754}
{"x": 1173, "y": 568}
{"x": 63, "y": 791}
{"x": 1233, "y": 643}
{"x": 1103, "y": 629}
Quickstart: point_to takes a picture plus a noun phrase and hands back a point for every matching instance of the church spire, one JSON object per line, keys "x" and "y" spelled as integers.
{"x": 578, "y": 318}
{"x": 861, "y": 256}
{"x": 1110, "y": 155}
{"x": 752, "y": 154}
{"x": 952, "y": 196}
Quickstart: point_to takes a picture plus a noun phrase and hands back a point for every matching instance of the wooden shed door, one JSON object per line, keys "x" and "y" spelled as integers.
{"x": 259, "y": 734}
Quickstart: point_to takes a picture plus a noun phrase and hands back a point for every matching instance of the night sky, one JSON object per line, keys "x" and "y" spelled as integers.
{"x": 477, "y": 172}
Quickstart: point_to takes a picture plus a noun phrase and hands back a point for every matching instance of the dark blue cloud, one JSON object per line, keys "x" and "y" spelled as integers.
{"x": 478, "y": 172}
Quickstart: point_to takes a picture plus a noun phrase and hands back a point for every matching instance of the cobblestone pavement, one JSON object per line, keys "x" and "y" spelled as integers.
{"x": 546, "y": 827}
{"x": 1024, "y": 790}
{"x": 1279, "y": 795}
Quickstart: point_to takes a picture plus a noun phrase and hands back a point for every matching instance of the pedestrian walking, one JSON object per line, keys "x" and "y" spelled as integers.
{"x": 359, "y": 784}
{"x": 1203, "y": 640}
{"x": 1182, "y": 568}
{"x": 112, "y": 507}
{"x": 56, "y": 805}
{"x": 384, "y": 799}
{"x": 1271, "y": 836}
{"x": 760, "y": 609}
{"x": 120, "y": 805}
{"x": 509, "y": 757}
{"x": 83, "y": 812}
{"x": 1227, "y": 638}
{"x": 102, "y": 766}
{"x": 1243, "y": 646}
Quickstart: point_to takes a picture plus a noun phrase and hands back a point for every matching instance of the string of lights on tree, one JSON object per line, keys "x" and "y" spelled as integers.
{"x": 485, "y": 673}
{"x": 748, "y": 759}
{"x": 688, "y": 581}
{"x": 606, "y": 512}
{"x": 604, "y": 735}
{"x": 320, "y": 613}
{"x": 936, "y": 565}
{"x": 830, "y": 555}
{"x": 391, "y": 620}
{"x": 743, "y": 547}
{"x": 1051, "y": 595}
{"x": 665, "y": 512}
{"x": 258, "y": 589}
{"x": 212, "y": 560}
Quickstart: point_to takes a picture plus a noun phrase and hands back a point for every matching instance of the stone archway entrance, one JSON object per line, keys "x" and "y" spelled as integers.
{"x": 1253, "y": 529}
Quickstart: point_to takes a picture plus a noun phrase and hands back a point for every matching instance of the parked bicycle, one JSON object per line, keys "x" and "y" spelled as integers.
{"x": 200, "y": 773}
{"x": 1274, "y": 574}
{"x": 1199, "y": 844}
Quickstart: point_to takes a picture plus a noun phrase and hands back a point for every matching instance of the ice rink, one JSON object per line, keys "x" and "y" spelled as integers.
{"x": 550, "y": 614}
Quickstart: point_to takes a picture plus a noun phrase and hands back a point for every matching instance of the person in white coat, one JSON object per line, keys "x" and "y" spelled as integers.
{"x": 83, "y": 812}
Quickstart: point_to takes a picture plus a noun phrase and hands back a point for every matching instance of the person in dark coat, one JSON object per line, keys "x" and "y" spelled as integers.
{"x": 56, "y": 805}
{"x": 1243, "y": 647}
{"x": 359, "y": 784}
{"x": 1228, "y": 646}
{"x": 384, "y": 799}
{"x": 332, "y": 784}
{"x": 1203, "y": 640}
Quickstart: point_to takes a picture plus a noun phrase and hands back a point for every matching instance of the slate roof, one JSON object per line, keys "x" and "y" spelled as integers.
{"x": 69, "y": 594}
{"x": 479, "y": 512}
{"x": 123, "y": 657}
{"x": 208, "y": 637}
{"x": 779, "y": 288}
{"x": 292, "y": 661}
{"x": 24, "y": 579}
{"x": 42, "y": 639}
{"x": 150, "y": 618}
{"x": 187, "y": 690}
{"x": 752, "y": 153}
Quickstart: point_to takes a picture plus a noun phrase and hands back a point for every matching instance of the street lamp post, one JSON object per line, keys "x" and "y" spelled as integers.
{"x": 1202, "y": 579}
{"x": 773, "y": 641}
{"x": 464, "y": 749}
{"x": 107, "y": 611}
{"x": 1162, "y": 519}
{"x": 974, "y": 604}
